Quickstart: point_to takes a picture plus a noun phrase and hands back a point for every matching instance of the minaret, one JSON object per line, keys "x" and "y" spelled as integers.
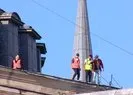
{"x": 82, "y": 40}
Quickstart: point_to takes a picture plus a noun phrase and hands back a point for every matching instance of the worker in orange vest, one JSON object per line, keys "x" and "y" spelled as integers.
{"x": 16, "y": 64}
{"x": 76, "y": 66}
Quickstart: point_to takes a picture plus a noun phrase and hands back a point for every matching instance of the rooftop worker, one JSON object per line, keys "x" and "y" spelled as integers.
{"x": 88, "y": 68}
{"x": 97, "y": 68}
{"x": 76, "y": 66}
{"x": 16, "y": 64}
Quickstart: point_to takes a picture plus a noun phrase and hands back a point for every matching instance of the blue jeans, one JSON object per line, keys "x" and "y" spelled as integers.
{"x": 96, "y": 76}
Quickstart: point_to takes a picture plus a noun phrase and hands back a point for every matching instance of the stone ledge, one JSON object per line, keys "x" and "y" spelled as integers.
{"x": 40, "y": 83}
{"x": 112, "y": 92}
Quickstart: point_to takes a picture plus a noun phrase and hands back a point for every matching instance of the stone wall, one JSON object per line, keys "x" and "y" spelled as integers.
{"x": 8, "y": 40}
{"x": 38, "y": 60}
{"x": 28, "y": 48}
{"x": 32, "y": 54}
{"x": 37, "y": 84}
{"x": 3, "y": 46}
{"x": 16, "y": 38}
{"x": 113, "y": 92}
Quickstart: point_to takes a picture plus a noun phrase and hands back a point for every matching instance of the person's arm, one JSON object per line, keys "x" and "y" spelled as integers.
{"x": 79, "y": 64}
{"x": 85, "y": 63}
{"x": 93, "y": 65}
{"x": 21, "y": 62}
{"x": 101, "y": 64}
{"x": 72, "y": 60}
{"x": 12, "y": 64}
{"x": 79, "y": 61}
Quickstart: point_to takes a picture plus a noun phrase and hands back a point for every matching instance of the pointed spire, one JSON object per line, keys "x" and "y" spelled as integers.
{"x": 82, "y": 40}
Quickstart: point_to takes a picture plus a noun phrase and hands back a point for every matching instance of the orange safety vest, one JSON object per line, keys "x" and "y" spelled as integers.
{"x": 75, "y": 62}
{"x": 17, "y": 64}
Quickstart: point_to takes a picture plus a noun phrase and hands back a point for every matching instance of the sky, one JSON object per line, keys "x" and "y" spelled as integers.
{"x": 112, "y": 20}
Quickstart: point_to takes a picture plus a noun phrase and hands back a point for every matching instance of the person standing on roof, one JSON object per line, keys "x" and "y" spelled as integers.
{"x": 88, "y": 68}
{"x": 75, "y": 64}
{"x": 16, "y": 64}
{"x": 97, "y": 68}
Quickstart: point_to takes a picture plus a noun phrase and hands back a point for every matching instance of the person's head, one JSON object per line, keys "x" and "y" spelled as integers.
{"x": 17, "y": 57}
{"x": 77, "y": 54}
{"x": 96, "y": 57}
{"x": 90, "y": 56}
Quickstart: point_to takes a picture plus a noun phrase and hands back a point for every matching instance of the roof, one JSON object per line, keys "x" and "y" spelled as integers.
{"x": 30, "y": 30}
{"x": 1, "y": 11}
{"x": 42, "y": 48}
{"x": 13, "y": 16}
{"x": 44, "y": 81}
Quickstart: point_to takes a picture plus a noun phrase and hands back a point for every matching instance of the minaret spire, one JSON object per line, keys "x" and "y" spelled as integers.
{"x": 82, "y": 40}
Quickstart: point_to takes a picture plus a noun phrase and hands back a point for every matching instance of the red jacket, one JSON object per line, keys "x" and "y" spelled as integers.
{"x": 97, "y": 64}
{"x": 75, "y": 63}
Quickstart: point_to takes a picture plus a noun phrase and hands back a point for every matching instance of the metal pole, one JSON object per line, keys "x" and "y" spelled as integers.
{"x": 110, "y": 83}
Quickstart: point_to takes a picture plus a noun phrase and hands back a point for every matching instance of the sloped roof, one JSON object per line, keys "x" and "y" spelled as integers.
{"x": 53, "y": 84}
{"x": 1, "y": 11}
{"x": 30, "y": 30}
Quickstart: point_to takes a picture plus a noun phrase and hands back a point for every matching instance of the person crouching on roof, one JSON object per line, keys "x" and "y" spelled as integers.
{"x": 16, "y": 64}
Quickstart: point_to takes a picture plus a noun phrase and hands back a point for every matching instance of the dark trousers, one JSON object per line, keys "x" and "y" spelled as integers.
{"x": 76, "y": 72}
{"x": 88, "y": 75}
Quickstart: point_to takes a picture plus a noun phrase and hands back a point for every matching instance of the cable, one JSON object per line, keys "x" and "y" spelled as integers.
{"x": 55, "y": 13}
{"x": 104, "y": 79}
{"x": 130, "y": 53}
{"x": 116, "y": 82}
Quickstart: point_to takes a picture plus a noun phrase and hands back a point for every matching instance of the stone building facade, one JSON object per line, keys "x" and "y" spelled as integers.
{"x": 13, "y": 82}
{"x": 18, "y": 38}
